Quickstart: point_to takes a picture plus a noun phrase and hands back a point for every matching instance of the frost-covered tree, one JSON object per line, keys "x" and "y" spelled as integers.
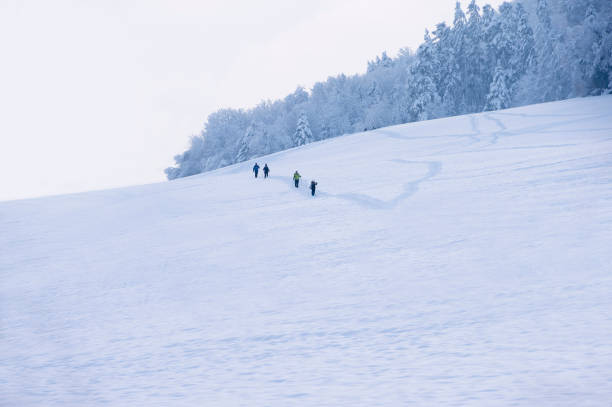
{"x": 476, "y": 75}
{"x": 525, "y": 53}
{"x": 598, "y": 67}
{"x": 423, "y": 89}
{"x": 189, "y": 162}
{"x": 508, "y": 44}
{"x": 457, "y": 65}
{"x": 383, "y": 61}
{"x": 255, "y": 142}
{"x": 296, "y": 99}
{"x": 447, "y": 75}
{"x": 490, "y": 26}
{"x": 499, "y": 95}
{"x": 303, "y": 134}
{"x": 548, "y": 82}
{"x": 244, "y": 145}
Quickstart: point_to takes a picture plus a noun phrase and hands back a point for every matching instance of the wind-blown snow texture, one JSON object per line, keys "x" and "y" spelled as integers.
{"x": 460, "y": 261}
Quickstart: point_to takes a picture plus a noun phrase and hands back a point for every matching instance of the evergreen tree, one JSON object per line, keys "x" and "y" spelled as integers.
{"x": 447, "y": 73}
{"x": 499, "y": 95}
{"x": 243, "y": 145}
{"x": 423, "y": 90}
{"x": 490, "y": 28}
{"x": 255, "y": 142}
{"x": 473, "y": 21}
{"x": 476, "y": 73}
{"x": 457, "y": 65}
{"x": 505, "y": 41}
{"x": 598, "y": 65}
{"x": 303, "y": 134}
{"x": 549, "y": 82}
{"x": 526, "y": 53}
{"x": 488, "y": 14}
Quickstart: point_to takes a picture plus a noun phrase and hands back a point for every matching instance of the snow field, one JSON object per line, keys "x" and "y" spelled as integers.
{"x": 459, "y": 261}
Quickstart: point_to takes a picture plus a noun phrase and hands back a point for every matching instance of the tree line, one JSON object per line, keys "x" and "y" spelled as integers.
{"x": 525, "y": 52}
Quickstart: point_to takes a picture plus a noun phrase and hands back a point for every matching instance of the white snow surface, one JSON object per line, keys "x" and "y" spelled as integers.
{"x": 460, "y": 261}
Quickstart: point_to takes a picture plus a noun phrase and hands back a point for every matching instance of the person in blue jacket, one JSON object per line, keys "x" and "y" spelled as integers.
{"x": 256, "y": 169}
{"x": 313, "y": 187}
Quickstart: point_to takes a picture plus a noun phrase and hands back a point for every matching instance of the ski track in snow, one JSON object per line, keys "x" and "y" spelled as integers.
{"x": 459, "y": 261}
{"x": 409, "y": 188}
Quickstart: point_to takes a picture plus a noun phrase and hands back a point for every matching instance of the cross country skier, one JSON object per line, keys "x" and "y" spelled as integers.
{"x": 313, "y": 187}
{"x": 296, "y": 178}
{"x": 266, "y": 170}
{"x": 256, "y": 169}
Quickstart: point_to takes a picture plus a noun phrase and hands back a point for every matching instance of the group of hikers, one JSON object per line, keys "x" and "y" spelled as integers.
{"x": 266, "y": 170}
{"x": 296, "y": 177}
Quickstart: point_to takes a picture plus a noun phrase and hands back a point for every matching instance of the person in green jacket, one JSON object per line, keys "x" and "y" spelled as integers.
{"x": 296, "y": 178}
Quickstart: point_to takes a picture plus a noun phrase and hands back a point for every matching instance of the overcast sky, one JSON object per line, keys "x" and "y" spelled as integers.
{"x": 98, "y": 94}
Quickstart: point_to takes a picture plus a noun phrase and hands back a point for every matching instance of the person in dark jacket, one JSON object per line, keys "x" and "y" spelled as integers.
{"x": 256, "y": 169}
{"x": 313, "y": 187}
{"x": 296, "y": 178}
{"x": 266, "y": 170}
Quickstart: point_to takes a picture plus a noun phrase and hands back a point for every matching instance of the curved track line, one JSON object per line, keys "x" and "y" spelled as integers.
{"x": 410, "y": 188}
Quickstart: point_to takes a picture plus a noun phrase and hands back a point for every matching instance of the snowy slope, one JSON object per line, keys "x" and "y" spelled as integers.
{"x": 461, "y": 261}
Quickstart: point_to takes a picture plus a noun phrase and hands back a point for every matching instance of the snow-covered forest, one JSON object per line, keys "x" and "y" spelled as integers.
{"x": 526, "y": 52}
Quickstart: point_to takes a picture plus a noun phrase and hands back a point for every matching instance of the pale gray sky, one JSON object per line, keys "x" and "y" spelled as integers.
{"x": 98, "y": 94}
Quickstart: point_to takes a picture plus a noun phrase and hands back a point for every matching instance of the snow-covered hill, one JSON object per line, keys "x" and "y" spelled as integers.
{"x": 461, "y": 261}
